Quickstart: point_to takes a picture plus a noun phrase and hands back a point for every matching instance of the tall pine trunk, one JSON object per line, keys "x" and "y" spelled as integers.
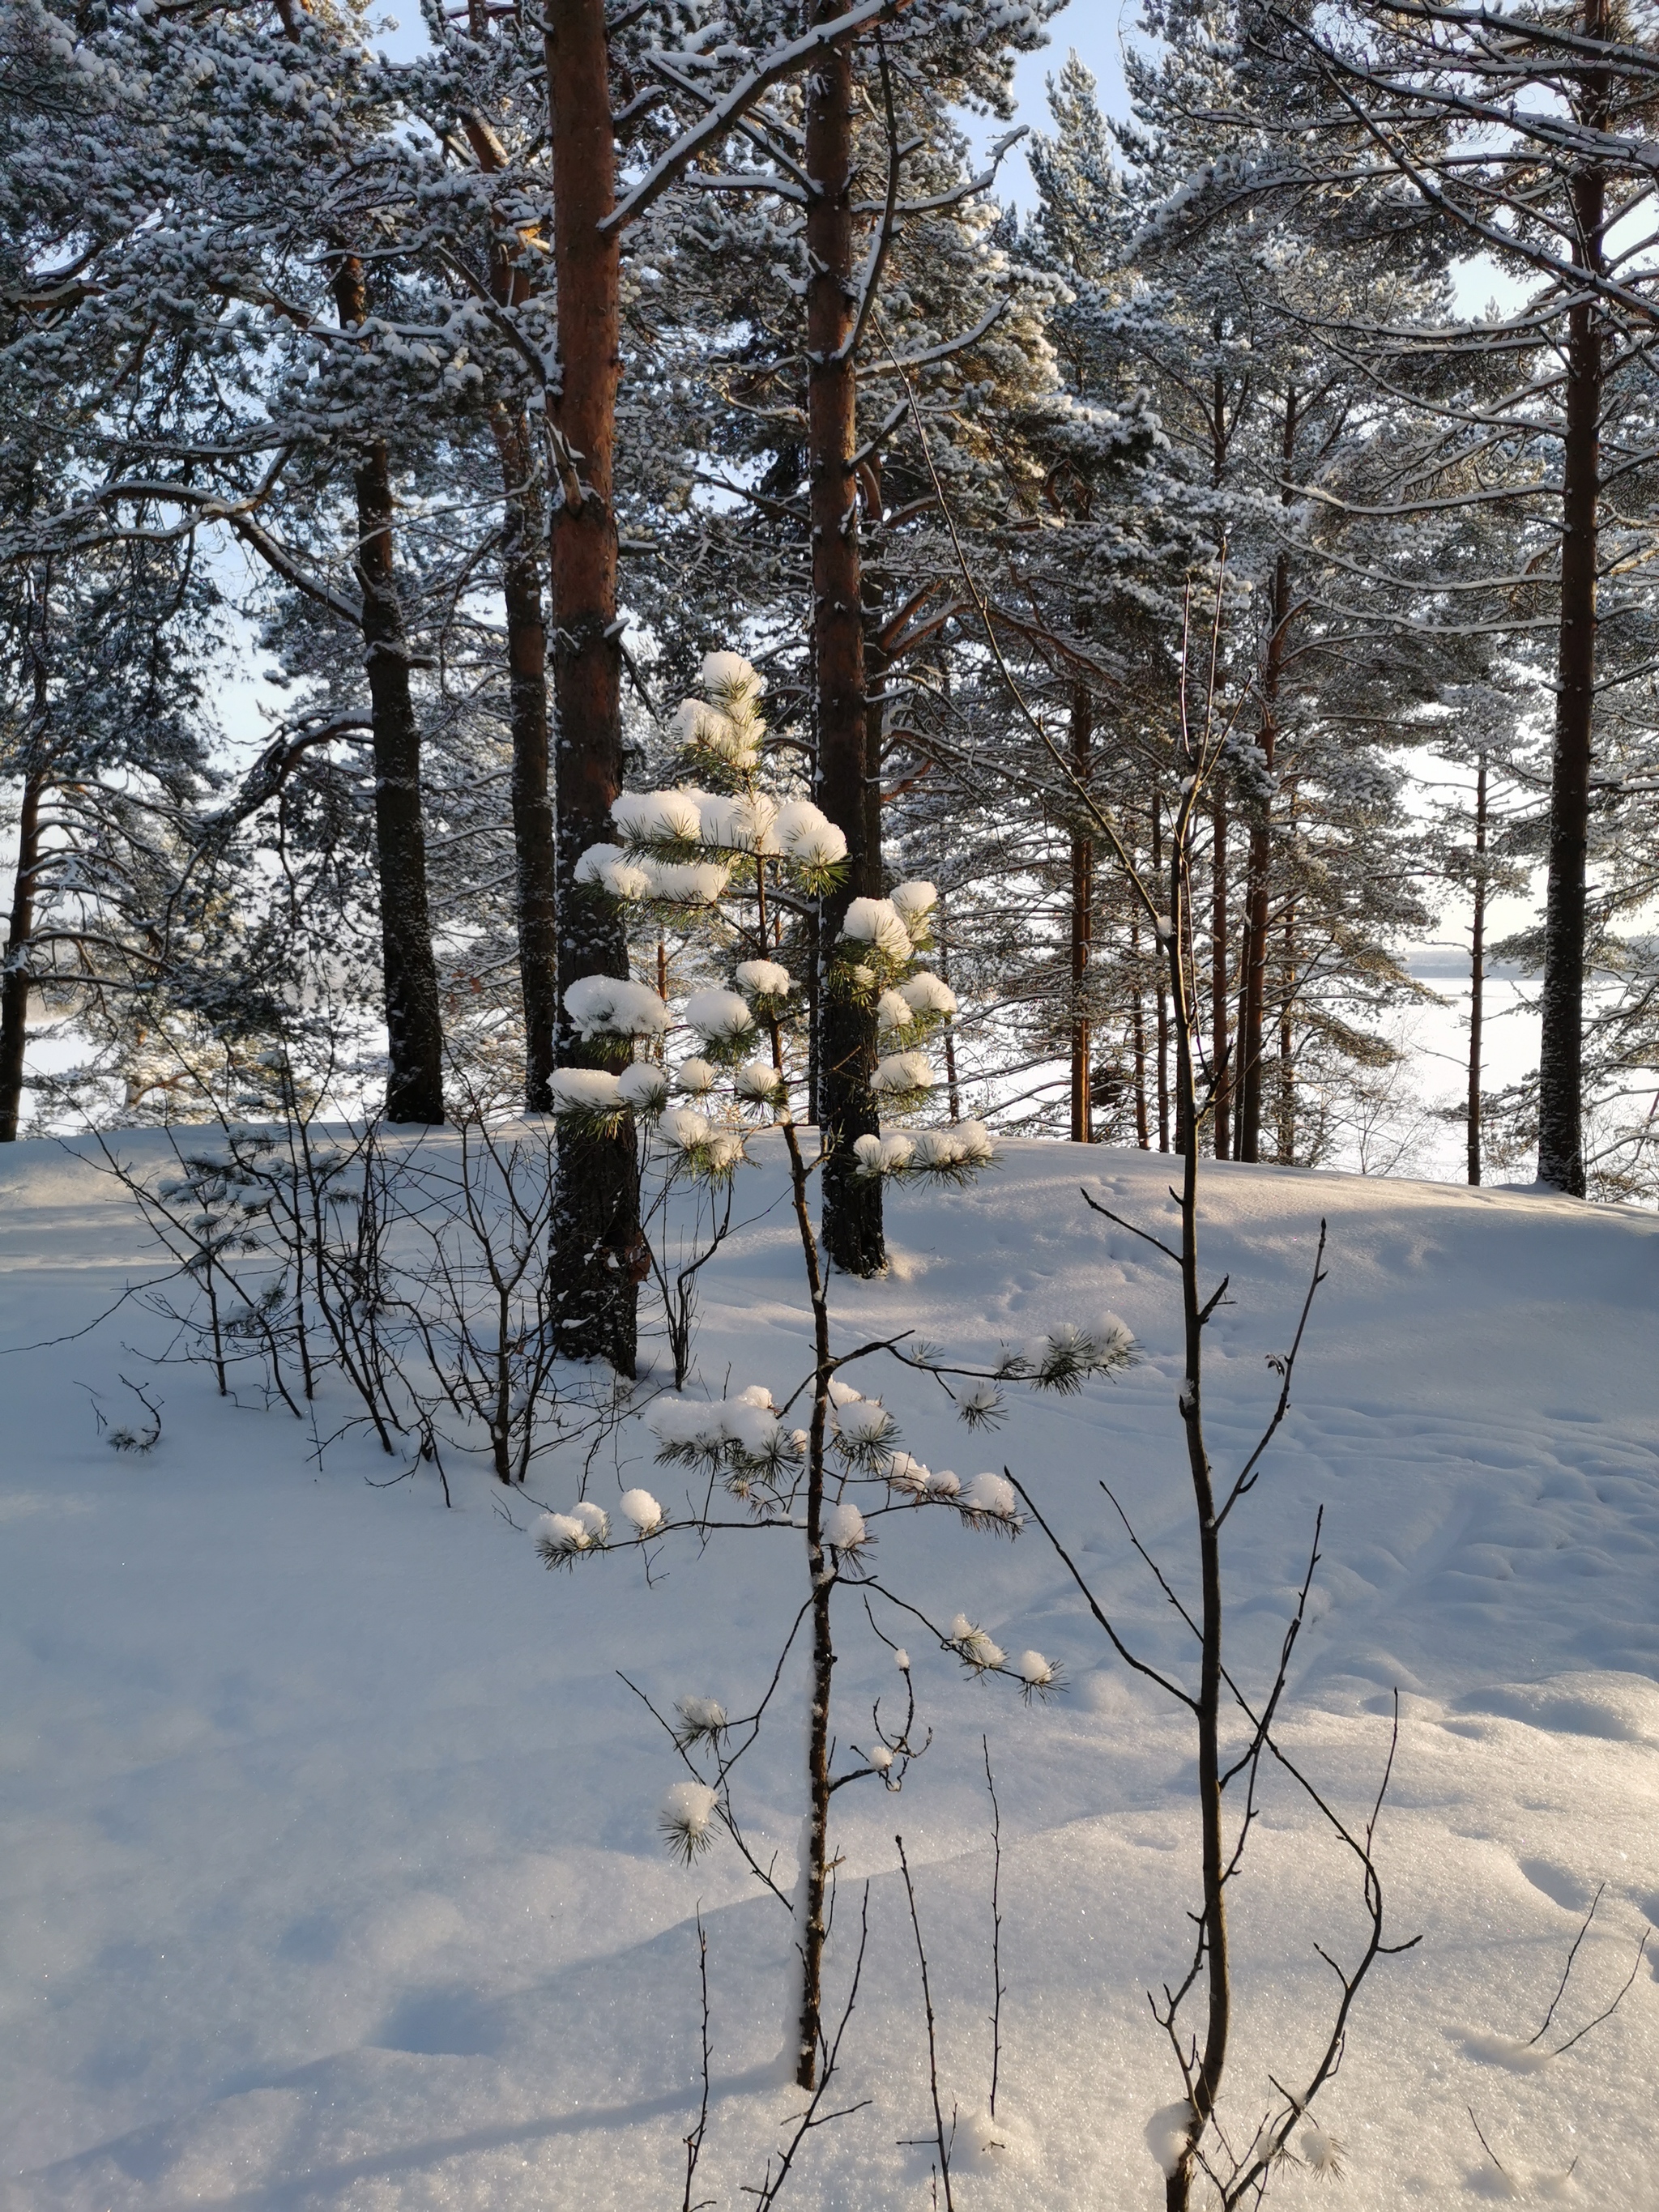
{"x": 532, "y": 801}
{"x": 415, "y": 1085}
{"x": 526, "y": 664}
{"x": 847, "y": 1051}
{"x": 1561, "y": 1044}
{"x": 598, "y": 1258}
{"x": 1476, "y": 971}
{"x": 1162, "y": 1002}
{"x": 1248, "y": 1064}
{"x": 1219, "y": 1039}
{"x": 1083, "y": 920}
{"x": 15, "y": 989}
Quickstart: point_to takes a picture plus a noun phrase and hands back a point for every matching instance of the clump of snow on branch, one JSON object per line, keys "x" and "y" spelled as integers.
{"x": 876, "y": 922}
{"x": 702, "y": 1719}
{"x": 642, "y": 1509}
{"x": 979, "y": 1652}
{"x": 843, "y": 1527}
{"x": 562, "y": 1537}
{"x": 610, "y": 1006}
{"x": 763, "y": 979}
{"x": 683, "y": 1819}
{"x": 722, "y": 1018}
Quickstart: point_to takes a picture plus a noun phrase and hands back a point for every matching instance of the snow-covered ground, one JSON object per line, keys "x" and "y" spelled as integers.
{"x": 331, "y": 1874}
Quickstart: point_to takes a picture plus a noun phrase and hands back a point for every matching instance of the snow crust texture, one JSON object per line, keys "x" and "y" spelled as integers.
{"x": 333, "y": 1872}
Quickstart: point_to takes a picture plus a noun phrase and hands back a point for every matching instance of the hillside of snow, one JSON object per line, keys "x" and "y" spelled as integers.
{"x": 332, "y": 1875}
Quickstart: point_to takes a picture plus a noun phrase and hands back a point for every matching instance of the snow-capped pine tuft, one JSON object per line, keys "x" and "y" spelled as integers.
{"x": 1039, "y": 1677}
{"x": 721, "y": 1016}
{"x": 863, "y": 1434}
{"x": 943, "y": 1482}
{"x": 683, "y": 1819}
{"x": 1321, "y": 2153}
{"x": 914, "y": 901}
{"x": 893, "y": 1013}
{"x": 843, "y": 1527}
{"x": 585, "y": 1091}
{"x": 977, "y": 1650}
{"x": 643, "y": 1086}
{"x": 562, "y": 1538}
{"x": 611, "y": 1007}
{"x": 844, "y": 1393}
{"x": 702, "y": 1719}
{"x": 808, "y": 835}
{"x": 902, "y": 1077}
{"x": 642, "y": 1509}
{"x": 882, "y": 1156}
{"x": 763, "y": 979}
{"x": 876, "y": 922}
{"x": 758, "y": 1083}
{"x": 927, "y": 993}
{"x": 696, "y": 1078}
{"x": 982, "y": 1405}
{"x": 904, "y": 1473}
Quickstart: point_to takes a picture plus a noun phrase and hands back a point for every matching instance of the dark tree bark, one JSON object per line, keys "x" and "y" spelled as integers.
{"x": 532, "y": 801}
{"x": 1083, "y": 920}
{"x": 1248, "y": 1064}
{"x": 15, "y": 989}
{"x": 598, "y": 1258}
{"x": 1561, "y": 1044}
{"x": 1252, "y": 988}
{"x": 414, "y": 1087}
{"x": 1219, "y": 1039}
{"x": 851, "y": 1221}
{"x": 1476, "y": 971}
{"x": 1162, "y": 1002}
{"x": 1288, "y": 1047}
{"x": 1137, "y": 1038}
{"x": 526, "y": 661}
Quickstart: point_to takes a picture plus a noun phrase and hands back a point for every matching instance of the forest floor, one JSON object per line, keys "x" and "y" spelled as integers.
{"x": 331, "y": 1875}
